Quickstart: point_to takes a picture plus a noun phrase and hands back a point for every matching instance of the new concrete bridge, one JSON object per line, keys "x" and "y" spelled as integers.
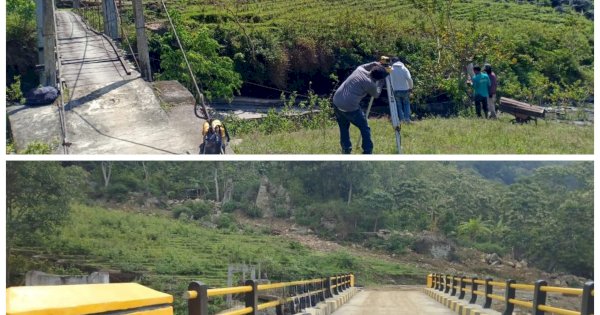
{"x": 409, "y": 300}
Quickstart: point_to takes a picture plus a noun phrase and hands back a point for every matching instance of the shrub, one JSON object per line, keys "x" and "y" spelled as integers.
{"x": 14, "y": 93}
{"x": 490, "y": 248}
{"x": 195, "y": 208}
{"x": 398, "y": 244}
{"x": 225, "y": 221}
{"x": 37, "y": 147}
{"x": 254, "y": 211}
{"x": 231, "y": 206}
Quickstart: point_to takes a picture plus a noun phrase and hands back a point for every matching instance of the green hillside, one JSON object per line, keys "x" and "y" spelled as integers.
{"x": 167, "y": 254}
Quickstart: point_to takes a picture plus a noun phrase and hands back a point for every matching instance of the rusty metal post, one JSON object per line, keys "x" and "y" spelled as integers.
{"x": 251, "y": 298}
{"x": 199, "y": 305}
{"x": 453, "y": 288}
{"x": 328, "y": 290}
{"x": 539, "y": 297}
{"x": 489, "y": 289}
{"x": 473, "y": 299}
{"x": 587, "y": 300}
{"x": 461, "y": 293}
{"x": 509, "y": 293}
{"x": 334, "y": 285}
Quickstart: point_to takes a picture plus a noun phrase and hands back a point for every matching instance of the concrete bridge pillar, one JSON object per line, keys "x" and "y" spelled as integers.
{"x": 142, "y": 40}
{"x": 49, "y": 33}
{"x": 111, "y": 18}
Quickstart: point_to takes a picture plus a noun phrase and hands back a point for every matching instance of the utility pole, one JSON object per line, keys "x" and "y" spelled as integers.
{"x": 111, "y": 25}
{"x": 142, "y": 41}
{"x": 49, "y": 77}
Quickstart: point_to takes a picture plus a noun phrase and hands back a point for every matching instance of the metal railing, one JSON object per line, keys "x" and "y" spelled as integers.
{"x": 454, "y": 285}
{"x": 303, "y": 294}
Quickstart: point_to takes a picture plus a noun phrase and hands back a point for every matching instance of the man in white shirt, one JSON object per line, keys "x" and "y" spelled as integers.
{"x": 402, "y": 84}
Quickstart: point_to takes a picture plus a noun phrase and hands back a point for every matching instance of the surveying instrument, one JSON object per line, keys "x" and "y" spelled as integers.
{"x": 385, "y": 61}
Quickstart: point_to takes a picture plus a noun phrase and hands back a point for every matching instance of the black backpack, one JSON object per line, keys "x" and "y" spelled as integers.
{"x": 215, "y": 135}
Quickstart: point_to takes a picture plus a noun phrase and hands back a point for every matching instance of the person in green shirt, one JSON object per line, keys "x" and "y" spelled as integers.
{"x": 481, "y": 85}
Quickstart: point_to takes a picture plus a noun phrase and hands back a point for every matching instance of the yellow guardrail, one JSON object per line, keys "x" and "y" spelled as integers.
{"x": 309, "y": 292}
{"x": 124, "y": 298}
{"x": 454, "y": 285}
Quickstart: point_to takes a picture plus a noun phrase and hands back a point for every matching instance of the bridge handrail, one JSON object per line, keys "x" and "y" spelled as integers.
{"x": 310, "y": 293}
{"x": 453, "y": 284}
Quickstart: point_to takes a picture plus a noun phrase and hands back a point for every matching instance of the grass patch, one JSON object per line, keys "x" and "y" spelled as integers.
{"x": 434, "y": 136}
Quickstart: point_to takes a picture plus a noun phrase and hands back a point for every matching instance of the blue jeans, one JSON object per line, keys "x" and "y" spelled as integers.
{"x": 403, "y": 104}
{"x": 357, "y": 118}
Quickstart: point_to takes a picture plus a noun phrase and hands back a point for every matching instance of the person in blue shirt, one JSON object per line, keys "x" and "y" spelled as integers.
{"x": 481, "y": 84}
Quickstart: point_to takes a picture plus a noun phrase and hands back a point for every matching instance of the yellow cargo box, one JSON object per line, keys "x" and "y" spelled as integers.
{"x": 121, "y": 298}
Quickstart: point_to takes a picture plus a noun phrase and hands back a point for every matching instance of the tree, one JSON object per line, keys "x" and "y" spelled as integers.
{"x": 217, "y": 74}
{"x": 38, "y": 197}
{"x": 474, "y": 229}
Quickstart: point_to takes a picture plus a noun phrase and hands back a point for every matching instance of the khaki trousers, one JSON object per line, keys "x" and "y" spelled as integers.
{"x": 492, "y": 105}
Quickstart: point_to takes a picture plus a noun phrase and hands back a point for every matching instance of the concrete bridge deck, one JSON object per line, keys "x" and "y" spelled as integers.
{"x": 107, "y": 111}
{"x": 409, "y": 300}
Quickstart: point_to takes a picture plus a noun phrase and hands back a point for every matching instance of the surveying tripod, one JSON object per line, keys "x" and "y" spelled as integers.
{"x": 393, "y": 112}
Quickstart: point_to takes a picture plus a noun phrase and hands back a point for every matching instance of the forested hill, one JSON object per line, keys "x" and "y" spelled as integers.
{"x": 542, "y": 51}
{"x": 544, "y": 214}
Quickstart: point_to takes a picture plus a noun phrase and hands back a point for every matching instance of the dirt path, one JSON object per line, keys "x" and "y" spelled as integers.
{"x": 393, "y": 300}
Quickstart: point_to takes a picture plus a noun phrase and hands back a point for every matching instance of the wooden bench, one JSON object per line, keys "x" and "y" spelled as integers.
{"x": 523, "y": 112}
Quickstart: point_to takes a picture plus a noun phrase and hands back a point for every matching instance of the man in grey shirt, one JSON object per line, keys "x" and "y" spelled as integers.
{"x": 346, "y": 101}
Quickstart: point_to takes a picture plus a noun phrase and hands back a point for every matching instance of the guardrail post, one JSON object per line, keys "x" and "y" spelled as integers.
{"x": 587, "y": 300}
{"x": 437, "y": 281}
{"x": 199, "y": 305}
{"x": 509, "y": 293}
{"x": 539, "y": 297}
{"x": 322, "y": 288}
{"x": 441, "y": 287}
{"x": 447, "y": 285}
{"x": 311, "y": 296}
{"x": 473, "y": 299}
{"x": 301, "y": 291}
{"x": 328, "y": 290}
{"x": 279, "y": 309}
{"x": 334, "y": 285}
{"x": 453, "y": 284}
{"x": 434, "y": 281}
{"x": 488, "y": 290}
{"x": 252, "y": 297}
{"x": 294, "y": 296}
{"x": 461, "y": 293}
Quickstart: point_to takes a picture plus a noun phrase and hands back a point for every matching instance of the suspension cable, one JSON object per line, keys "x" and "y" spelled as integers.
{"x": 200, "y": 95}
{"x": 127, "y": 38}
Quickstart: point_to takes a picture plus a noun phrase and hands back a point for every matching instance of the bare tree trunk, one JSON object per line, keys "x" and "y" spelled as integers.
{"x": 146, "y": 176}
{"x": 350, "y": 194}
{"x": 106, "y": 171}
{"x": 216, "y": 186}
{"x": 228, "y": 190}
{"x": 376, "y": 222}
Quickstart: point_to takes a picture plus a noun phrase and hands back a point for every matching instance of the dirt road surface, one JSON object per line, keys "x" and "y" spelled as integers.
{"x": 397, "y": 300}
